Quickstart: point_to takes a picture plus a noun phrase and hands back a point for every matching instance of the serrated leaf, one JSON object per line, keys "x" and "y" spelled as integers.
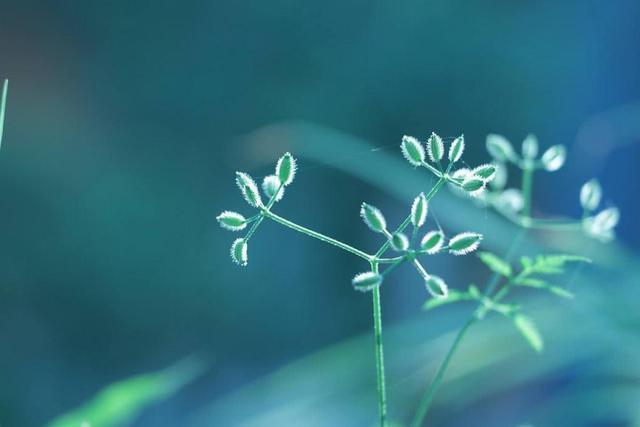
{"x": 496, "y": 264}
{"x": 529, "y": 331}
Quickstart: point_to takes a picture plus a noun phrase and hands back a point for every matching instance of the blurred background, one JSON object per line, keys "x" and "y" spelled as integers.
{"x": 126, "y": 122}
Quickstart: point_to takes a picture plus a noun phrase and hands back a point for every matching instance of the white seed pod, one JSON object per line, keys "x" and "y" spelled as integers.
{"x": 373, "y": 218}
{"x": 249, "y": 189}
{"x": 485, "y": 172}
{"x": 436, "y": 287}
{"x": 456, "y": 149}
{"x": 499, "y": 148}
{"x": 419, "y": 210}
{"x": 511, "y": 200}
{"x": 554, "y": 158}
{"x": 499, "y": 180}
{"x": 432, "y": 242}
{"x": 399, "y": 242}
{"x": 530, "y": 147}
{"x": 412, "y": 150}
{"x": 473, "y": 185}
{"x": 232, "y": 221}
{"x": 464, "y": 243}
{"x": 286, "y": 168}
{"x": 367, "y": 281}
{"x": 607, "y": 219}
{"x": 590, "y": 195}
{"x": 435, "y": 148}
{"x": 239, "y": 252}
{"x": 270, "y": 185}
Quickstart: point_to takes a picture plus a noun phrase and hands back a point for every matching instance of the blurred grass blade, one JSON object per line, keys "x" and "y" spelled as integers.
{"x": 3, "y": 107}
{"x": 120, "y": 402}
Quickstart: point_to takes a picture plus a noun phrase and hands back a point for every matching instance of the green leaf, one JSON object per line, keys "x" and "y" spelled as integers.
{"x": 541, "y": 284}
{"x": 550, "y": 264}
{"x": 529, "y": 331}
{"x": 120, "y": 402}
{"x": 495, "y": 263}
{"x": 454, "y": 296}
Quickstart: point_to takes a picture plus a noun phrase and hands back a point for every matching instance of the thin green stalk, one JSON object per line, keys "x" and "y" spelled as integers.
{"x": 3, "y": 107}
{"x": 379, "y": 350}
{"x": 527, "y": 187}
{"x": 429, "y": 394}
{"x": 316, "y": 235}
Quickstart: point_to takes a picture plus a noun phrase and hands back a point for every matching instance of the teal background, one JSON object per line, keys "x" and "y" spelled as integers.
{"x": 127, "y": 120}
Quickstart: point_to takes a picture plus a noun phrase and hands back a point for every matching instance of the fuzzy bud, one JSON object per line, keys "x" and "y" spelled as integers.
{"x": 432, "y": 242}
{"x": 464, "y": 243}
{"x": 239, "y": 252}
{"x": 373, "y": 218}
{"x": 286, "y": 169}
{"x": 366, "y": 281}
{"x": 232, "y": 221}
{"x": 436, "y": 287}
{"x": 590, "y": 195}
{"x": 435, "y": 148}
{"x": 485, "y": 172}
{"x": 399, "y": 242}
{"x": 554, "y": 158}
{"x": 530, "y": 147}
{"x": 249, "y": 189}
{"x": 412, "y": 150}
{"x": 456, "y": 149}
{"x": 270, "y": 185}
{"x": 419, "y": 210}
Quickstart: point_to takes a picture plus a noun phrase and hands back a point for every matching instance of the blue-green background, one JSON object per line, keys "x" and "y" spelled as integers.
{"x": 127, "y": 120}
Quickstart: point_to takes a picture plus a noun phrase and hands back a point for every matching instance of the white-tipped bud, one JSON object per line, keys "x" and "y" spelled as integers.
{"x": 456, "y": 149}
{"x": 511, "y": 200}
{"x": 485, "y": 172}
{"x": 399, "y": 242}
{"x": 500, "y": 149}
{"x": 499, "y": 180}
{"x": 436, "y": 287}
{"x": 432, "y": 242}
{"x": 373, "y": 218}
{"x": 366, "y": 281}
{"x": 530, "y": 147}
{"x": 419, "y": 210}
{"x": 473, "y": 185}
{"x": 271, "y": 185}
{"x": 239, "y": 252}
{"x": 464, "y": 243}
{"x": 249, "y": 189}
{"x": 412, "y": 150}
{"x": 601, "y": 226}
{"x": 232, "y": 221}
{"x": 286, "y": 168}
{"x": 435, "y": 148}
{"x": 554, "y": 158}
{"x": 590, "y": 195}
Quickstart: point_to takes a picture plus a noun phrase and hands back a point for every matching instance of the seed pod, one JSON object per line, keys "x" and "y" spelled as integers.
{"x": 456, "y": 149}
{"x": 511, "y": 200}
{"x": 554, "y": 158}
{"x": 412, "y": 150}
{"x": 366, "y": 281}
{"x": 239, "y": 252}
{"x": 473, "y": 185}
{"x": 485, "y": 172}
{"x": 286, "y": 168}
{"x": 270, "y": 185}
{"x": 419, "y": 210}
{"x": 249, "y": 189}
{"x": 530, "y": 147}
{"x": 373, "y": 218}
{"x": 607, "y": 219}
{"x": 590, "y": 195}
{"x": 464, "y": 243}
{"x": 432, "y": 242}
{"x": 499, "y": 180}
{"x": 436, "y": 287}
{"x": 232, "y": 221}
{"x": 500, "y": 149}
{"x": 399, "y": 242}
{"x": 435, "y": 148}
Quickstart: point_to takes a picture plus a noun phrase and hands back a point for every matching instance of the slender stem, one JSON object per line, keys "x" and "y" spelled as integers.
{"x": 379, "y": 350}
{"x": 527, "y": 187}
{"x": 3, "y": 106}
{"x": 316, "y": 235}
{"x": 427, "y": 398}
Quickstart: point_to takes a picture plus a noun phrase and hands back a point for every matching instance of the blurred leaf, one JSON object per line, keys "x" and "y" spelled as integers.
{"x": 119, "y": 403}
{"x": 3, "y": 107}
{"x": 529, "y": 331}
{"x": 550, "y": 264}
{"x": 495, "y": 263}
{"x": 541, "y": 284}
{"x": 454, "y": 296}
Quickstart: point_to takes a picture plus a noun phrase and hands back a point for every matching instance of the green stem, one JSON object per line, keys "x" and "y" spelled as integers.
{"x": 379, "y": 350}
{"x": 316, "y": 235}
{"x": 527, "y": 187}
{"x": 427, "y": 398}
{"x": 3, "y": 107}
